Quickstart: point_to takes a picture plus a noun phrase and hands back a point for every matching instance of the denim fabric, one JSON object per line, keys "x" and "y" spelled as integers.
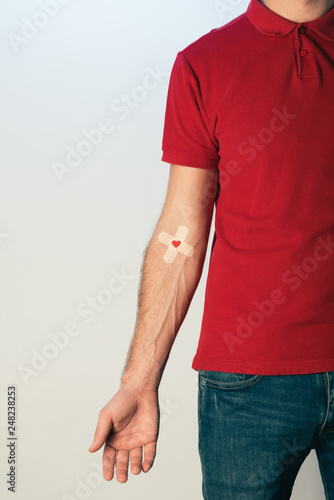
{"x": 255, "y": 431}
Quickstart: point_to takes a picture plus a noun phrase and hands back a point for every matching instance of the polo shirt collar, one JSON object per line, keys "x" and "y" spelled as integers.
{"x": 269, "y": 22}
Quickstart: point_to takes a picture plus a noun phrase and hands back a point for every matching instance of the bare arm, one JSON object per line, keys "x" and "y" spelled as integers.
{"x": 129, "y": 423}
{"x": 167, "y": 288}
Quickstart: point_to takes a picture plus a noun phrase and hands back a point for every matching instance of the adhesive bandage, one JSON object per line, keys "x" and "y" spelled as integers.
{"x": 176, "y": 244}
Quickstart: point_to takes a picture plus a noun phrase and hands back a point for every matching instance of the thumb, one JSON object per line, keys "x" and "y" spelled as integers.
{"x": 103, "y": 428}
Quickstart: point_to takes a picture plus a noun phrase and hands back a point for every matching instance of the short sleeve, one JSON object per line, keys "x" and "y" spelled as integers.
{"x": 187, "y": 136}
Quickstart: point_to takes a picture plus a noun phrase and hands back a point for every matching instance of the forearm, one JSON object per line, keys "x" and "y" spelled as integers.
{"x": 165, "y": 294}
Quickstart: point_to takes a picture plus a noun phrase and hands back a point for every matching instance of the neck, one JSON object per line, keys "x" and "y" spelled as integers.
{"x": 299, "y": 11}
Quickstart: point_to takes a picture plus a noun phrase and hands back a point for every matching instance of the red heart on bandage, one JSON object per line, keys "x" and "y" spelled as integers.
{"x": 176, "y": 243}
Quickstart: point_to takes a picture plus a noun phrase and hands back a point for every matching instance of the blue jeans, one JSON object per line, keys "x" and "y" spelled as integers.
{"x": 255, "y": 431}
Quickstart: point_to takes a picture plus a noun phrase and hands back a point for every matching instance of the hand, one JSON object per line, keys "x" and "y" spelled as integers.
{"x": 127, "y": 423}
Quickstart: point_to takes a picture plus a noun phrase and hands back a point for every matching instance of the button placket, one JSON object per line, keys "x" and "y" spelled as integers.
{"x": 302, "y": 53}
{"x": 302, "y": 30}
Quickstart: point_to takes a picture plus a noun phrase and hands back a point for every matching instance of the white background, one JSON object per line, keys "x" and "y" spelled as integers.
{"x": 61, "y": 239}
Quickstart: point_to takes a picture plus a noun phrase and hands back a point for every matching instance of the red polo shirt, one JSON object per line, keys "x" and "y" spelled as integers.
{"x": 255, "y": 99}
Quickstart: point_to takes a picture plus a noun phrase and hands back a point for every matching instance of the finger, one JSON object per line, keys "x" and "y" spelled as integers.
{"x": 149, "y": 455}
{"x": 103, "y": 429}
{"x": 122, "y": 464}
{"x": 108, "y": 460}
{"x": 136, "y": 457}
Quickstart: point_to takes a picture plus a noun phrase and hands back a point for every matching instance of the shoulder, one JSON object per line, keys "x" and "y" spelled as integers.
{"x": 217, "y": 42}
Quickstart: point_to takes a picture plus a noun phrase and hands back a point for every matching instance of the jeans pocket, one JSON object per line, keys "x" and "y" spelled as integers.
{"x": 227, "y": 380}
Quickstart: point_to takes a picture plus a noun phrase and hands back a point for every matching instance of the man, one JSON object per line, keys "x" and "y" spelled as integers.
{"x": 248, "y": 128}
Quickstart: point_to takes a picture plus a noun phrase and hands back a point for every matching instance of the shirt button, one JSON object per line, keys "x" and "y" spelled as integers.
{"x": 303, "y": 52}
{"x": 302, "y": 29}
